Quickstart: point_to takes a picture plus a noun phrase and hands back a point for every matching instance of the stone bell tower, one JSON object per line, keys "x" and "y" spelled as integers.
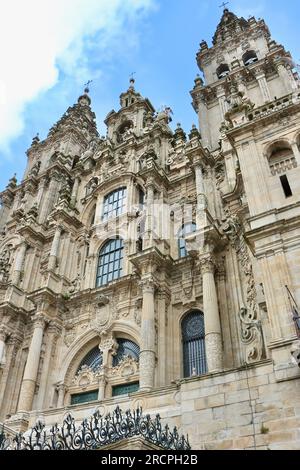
{"x": 248, "y": 106}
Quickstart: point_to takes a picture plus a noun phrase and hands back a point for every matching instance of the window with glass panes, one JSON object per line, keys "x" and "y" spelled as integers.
{"x": 186, "y": 230}
{"x": 193, "y": 344}
{"x": 114, "y": 203}
{"x": 110, "y": 263}
{"x": 126, "y": 348}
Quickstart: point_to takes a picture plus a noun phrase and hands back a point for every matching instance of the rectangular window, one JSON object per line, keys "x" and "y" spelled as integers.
{"x": 286, "y": 186}
{"x": 124, "y": 389}
{"x": 85, "y": 397}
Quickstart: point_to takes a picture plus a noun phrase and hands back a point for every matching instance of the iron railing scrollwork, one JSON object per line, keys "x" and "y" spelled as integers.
{"x": 96, "y": 432}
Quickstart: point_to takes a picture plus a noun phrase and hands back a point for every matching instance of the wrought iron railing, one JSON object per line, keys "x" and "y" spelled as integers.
{"x": 96, "y": 432}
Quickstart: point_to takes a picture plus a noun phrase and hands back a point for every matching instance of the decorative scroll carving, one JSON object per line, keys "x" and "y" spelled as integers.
{"x": 96, "y": 432}
{"x": 251, "y": 331}
{"x": 86, "y": 376}
{"x": 126, "y": 368}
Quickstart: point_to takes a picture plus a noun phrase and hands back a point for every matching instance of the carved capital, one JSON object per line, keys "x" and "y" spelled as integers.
{"x": 39, "y": 321}
{"x": 207, "y": 264}
{"x": 148, "y": 285}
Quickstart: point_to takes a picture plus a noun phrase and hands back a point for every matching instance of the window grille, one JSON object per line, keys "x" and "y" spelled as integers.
{"x": 110, "y": 263}
{"x": 193, "y": 342}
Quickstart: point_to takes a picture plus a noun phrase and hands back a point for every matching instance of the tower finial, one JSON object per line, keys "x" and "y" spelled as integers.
{"x": 224, "y": 5}
{"x": 87, "y": 86}
{"x": 132, "y": 80}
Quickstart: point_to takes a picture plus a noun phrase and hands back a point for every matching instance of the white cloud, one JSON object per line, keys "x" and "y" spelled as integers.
{"x": 37, "y": 35}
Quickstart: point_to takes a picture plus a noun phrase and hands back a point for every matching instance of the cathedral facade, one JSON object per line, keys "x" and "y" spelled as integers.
{"x": 150, "y": 268}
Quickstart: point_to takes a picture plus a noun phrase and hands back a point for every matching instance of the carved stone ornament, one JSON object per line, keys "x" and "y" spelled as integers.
{"x": 126, "y": 368}
{"x": 251, "y": 331}
{"x": 86, "y": 376}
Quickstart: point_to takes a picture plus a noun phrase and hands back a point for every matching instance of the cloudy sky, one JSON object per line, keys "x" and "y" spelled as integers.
{"x": 50, "y": 48}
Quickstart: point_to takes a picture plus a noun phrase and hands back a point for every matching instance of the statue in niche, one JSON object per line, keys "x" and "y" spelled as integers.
{"x": 90, "y": 150}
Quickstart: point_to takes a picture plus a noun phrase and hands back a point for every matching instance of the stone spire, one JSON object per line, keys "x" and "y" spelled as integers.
{"x": 79, "y": 116}
{"x": 229, "y": 26}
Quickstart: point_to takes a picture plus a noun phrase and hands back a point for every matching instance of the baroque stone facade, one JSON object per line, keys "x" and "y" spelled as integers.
{"x": 151, "y": 268}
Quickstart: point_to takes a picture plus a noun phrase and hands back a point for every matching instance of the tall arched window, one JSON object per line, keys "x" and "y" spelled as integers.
{"x": 114, "y": 203}
{"x": 193, "y": 344}
{"x": 110, "y": 263}
{"x": 126, "y": 347}
{"x": 186, "y": 230}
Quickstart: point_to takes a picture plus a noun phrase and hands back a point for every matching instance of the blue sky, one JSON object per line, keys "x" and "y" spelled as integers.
{"x": 48, "y": 53}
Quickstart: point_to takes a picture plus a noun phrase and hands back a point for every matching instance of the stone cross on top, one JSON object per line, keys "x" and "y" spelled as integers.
{"x": 223, "y": 5}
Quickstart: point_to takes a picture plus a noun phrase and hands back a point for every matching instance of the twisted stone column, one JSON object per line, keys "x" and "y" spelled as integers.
{"x": 147, "y": 354}
{"x": 213, "y": 337}
{"x": 54, "y": 248}
{"x": 32, "y": 365}
{"x": 20, "y": 258}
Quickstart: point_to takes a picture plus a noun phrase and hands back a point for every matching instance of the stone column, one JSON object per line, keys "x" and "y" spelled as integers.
{"x": 213, "y": 337}
{"x": 49, "y": 198}
{"x": 61, "y": 389}
{"x": 287, "y": 77}
{"x": 18, "y": 268}
{"x": 201, "y": 198}
{"x": 3, "y": 336}
{"x": 41, "y": 191}
{"x": 32, "y": 365}
{"x": 203, "y": 122}
{"x": 75, "y": 191}
{"x": 54, "y": 248}
{"x": 51, "y": 337}
{"x": 101, "y": 390}
{"x": 147, "y": 354}
{"x": 221, "y": 98}
{"x": 263, "y": 85}
{"x": 149, "y": 208}
{"x": 296, "y": 153}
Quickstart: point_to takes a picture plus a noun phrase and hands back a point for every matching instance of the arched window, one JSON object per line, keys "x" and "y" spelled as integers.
{"x": 126, "y": 347}
{"x": 186, "y": 230}
{"x": 114, "y": 203}
{"x": 249, "y": 58}
{"x": 222, "y": 71}
{"x": 110, "y": 263}
{"x": 193, "y": 344}
{"x": 281, "y": 158}
{"x": 93, "y": 360}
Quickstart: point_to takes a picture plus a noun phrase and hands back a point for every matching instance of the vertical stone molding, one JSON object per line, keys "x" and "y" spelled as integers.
{"x": 263, "y": 85}
{"x": 213, "y": 337}
{"x": 19, "y": 263}
{"x": 32, "y": 365}
{"x": 296, "y": 152}
{"x": 75, "y": 191}
{"x": 149, "y": 208}
{"x": 201, "y": 198}
{"x": 3, "y": 337}
{"x": 55, "y": 248}
{"x": 147, "y": 354}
